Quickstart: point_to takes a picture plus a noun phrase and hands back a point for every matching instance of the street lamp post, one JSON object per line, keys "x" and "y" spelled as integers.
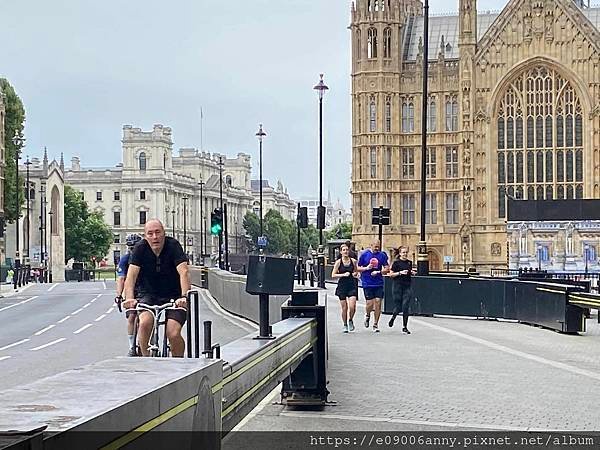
{"x": 221, "y": 207}
{"x": 321, "y": 87}
{"x": 26, "y": 255}
{"x": 423, "y": 256}
{"x": 18, "y": 141}
{"x": 173, "y": 216}
{"x": 185, "y": 199}
{"x": 539, "y": 254}
{"x": 51, "y": 213}
{"x": 586, "y": 249}
{"x": 260, "y": 134}
{"x": 42, "y": 215}
{"x": 201, "y": 184}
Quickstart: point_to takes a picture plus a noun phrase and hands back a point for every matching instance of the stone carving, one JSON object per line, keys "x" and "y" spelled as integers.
{"x": 496, "y": 249}
{"x": 467, "y": 200}
{"x": 467, "y": 16}
{"x": 481, "y": 116}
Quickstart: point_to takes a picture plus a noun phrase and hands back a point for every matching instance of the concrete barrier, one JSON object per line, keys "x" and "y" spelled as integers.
{"x": 230, "y": 291}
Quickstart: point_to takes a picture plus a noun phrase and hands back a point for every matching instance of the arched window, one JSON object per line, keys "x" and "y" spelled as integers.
{"x": 372, "y": 115}
{"x": 228, "y": 180}
{"x": 388, "y": 115}
{"x": 452, "y": 114}
{"x": 142, "y": 161}
{"x": 358, "y": 45}
{"x": 408, "y": 116}
{"x": 372, "y": 43}
{"x": 387, "y": 43}
{"x": 431, "y": 115}
{"x": 540, "y": 119}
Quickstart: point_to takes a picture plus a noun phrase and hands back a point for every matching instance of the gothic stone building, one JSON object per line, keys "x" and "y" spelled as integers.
{"x": 513, "y": 111}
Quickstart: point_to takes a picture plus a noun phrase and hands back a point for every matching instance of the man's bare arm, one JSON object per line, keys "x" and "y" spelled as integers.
{"x": 184, "y": 278}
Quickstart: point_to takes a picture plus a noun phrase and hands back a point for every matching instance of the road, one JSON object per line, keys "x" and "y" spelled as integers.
{"x": 50, "y": 328}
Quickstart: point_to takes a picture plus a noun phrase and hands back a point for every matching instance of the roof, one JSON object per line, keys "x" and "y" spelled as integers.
{"x": 255, "y": 184}
{"x": 447, "y": 27}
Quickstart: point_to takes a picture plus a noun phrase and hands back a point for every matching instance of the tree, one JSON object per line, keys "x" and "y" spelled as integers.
{"x": 340, "y": 231}
{"x": 13, "y": 123}
{"x": 252, "y": 227}
{"x": 86, "y": 233}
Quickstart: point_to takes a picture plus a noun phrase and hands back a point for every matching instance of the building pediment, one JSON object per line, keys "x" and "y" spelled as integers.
{"x": 528, "y": 22}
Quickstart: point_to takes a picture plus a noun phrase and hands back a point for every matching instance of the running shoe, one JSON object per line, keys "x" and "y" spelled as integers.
{"x": 350, "y": 325}
{"x": 375, "y": 328}
{"x": 405, "y": 330}
{"x": 391, "y": 322}
{"x": 131, "y": 352}
{"x": 345, "y": 330}
{"x": 367, "y": 318}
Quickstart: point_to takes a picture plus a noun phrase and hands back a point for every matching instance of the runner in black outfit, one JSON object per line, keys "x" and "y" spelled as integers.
{"x": 401, "y": 273}
{"x": 345, "y": 271}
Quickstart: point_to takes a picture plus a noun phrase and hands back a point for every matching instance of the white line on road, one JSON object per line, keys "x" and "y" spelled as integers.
{"x": 77, "y": 312}
{"x": 53, "y": 286}
{"x": 86, "y": 305}
{"x": 64, "y": 318}
{"x": 28, "y": 300}
{"x": 2, "y": 358}
{"x": 49, "y": 327}
{"x": 235, "y": 320}
{"x": 100, "y": 318}
{"x": 96, "y": 298}
{"x": 109, "y": 310}
{"x": 47, "y": 345}
{"x": 19, "y": 303}
{"x": 104, "y": 283}
{"x": 85, "y": 327}
{"x": 13, "y": 344}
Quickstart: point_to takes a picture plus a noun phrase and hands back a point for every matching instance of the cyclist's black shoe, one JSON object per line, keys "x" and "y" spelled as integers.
{"x": 131, "y": 352}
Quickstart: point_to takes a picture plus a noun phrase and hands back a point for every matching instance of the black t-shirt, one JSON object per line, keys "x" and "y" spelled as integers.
{"x": 398, "y": 266}
{"x": 158, "y": 276}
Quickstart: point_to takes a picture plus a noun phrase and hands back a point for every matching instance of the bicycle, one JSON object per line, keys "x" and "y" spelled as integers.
{"x": 157, "y": 311}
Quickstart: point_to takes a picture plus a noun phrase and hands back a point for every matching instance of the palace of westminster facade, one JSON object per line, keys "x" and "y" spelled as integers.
{"x": 513, "y": 111}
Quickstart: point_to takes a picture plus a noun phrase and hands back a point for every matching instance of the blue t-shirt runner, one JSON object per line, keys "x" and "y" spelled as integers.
{"x": 372, "y": 281}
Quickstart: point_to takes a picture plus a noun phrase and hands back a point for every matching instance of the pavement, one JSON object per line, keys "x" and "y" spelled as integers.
{"x": 449, "y": 374}
{"x": 51, "y": 328}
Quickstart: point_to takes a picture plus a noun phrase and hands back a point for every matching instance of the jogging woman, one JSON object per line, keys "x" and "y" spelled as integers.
{"x": 401, "y": 273}
{"x": 345, "y": 271}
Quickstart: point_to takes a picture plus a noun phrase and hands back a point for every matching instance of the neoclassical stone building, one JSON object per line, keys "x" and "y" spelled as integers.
{"x": 152, "y": 182}
{"x": 513, "y": 110}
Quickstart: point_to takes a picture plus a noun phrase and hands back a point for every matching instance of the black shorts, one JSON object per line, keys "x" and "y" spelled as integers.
{"x": 347, "y": 288}
{"x": 178, "y": 315}
{"x": 373, "y": 292}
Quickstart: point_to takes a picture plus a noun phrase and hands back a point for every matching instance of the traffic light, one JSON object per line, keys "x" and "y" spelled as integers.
{"x": 216, "y": 222}
{"x": 302, "y": 218}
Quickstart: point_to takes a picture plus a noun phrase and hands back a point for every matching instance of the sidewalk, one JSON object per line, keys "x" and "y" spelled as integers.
{"x": 450, "y": 374}
{"x": 7, "y": 290}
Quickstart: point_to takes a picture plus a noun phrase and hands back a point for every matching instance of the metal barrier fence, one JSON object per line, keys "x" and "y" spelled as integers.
{"x": 580, "y": 278}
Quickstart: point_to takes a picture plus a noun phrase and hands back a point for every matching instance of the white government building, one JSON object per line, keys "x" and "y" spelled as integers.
{"x": 152, "y": 182}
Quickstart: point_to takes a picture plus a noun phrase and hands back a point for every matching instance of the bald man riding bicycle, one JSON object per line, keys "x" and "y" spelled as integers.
{"x": 162, "y": 268}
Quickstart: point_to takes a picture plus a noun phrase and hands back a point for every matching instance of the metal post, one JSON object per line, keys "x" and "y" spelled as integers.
{"x": 221, "y": 206}
{"x": 50, "y": 252}
{"x": 42, "y": 190}
{"x": 380, "y": 228}
{"x": 263, "y": 317}
{"x": 207, "y": 350}
{"x": 423, "y": 257}
{"x": 226, "y": 231}
{"x": 201, "y": 184}
{"x": 18, "y": 142}
{"x": 586, "y": 248}
{"x": 185, "y": 199}
{"x": 45, "y": 222}
{"x": 26, "y": 255}
{"x": 261, "y": 134}
{"x": 196, "y": 323}
{"x": 321, "y": 88}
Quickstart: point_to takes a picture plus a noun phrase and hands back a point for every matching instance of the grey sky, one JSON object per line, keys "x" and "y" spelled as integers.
{"x": 84, "y": 68}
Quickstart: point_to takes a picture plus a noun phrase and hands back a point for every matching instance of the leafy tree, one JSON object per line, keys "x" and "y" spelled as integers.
{"x": 340, "y": 231}
{"x": 13, "y": 124}
{"x": 252, "y": 227}
{"x": 86, "y": 233}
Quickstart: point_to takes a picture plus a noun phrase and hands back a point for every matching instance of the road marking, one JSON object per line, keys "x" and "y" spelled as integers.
{"x": 511, "y": 351}
{"x": 96, "y": 298}
{"x": 47, "y": 345}
{"x": 2, "y": 358}
{"x": 13, "y": 344}
{"x": 86, "y": 305}
{"x": 109, "y": 310}
{"x": 85, "y": 327}
{"x": 49, "y": 327}
{"x": 53, "y": 286}
{"x": 100, "y": 318}
{"x": 212, "y": 304}
{"x": 63, "y": 319}
{"x": 77, "y": 312}
{"x": 18, "y": 303}
{"x": 104, "y": 283}
{"x": 28, "y": 300}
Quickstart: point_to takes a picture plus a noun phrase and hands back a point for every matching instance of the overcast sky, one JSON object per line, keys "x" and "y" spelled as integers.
{"x": 83, "y": 68}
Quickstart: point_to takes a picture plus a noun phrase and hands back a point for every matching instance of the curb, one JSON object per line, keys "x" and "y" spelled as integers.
{"x": 12, "y": 292}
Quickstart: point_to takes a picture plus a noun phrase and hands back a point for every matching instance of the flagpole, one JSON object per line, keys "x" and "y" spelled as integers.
{"x": 201, "y": 131}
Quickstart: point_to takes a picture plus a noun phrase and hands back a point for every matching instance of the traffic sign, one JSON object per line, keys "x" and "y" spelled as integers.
{"x": 262, "y": 241}
{"x": 448, "y": 259}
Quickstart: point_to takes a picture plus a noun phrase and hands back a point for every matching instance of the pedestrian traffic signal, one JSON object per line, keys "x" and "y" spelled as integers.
{"x": 302, "y": 218}
{"x": 216, "y": 222}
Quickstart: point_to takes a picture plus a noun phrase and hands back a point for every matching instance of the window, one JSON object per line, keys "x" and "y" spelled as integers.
{"x": 372, "y": 43}
{"x": 373, "y": 162}
{"x": 142, "y": 217}
{"x": 408, "y": 209}
{"x": 431, "y": 115}
{"x": 388, "y": 163}
{"x": 408, "y": 163}
{"x": 408, "y": 117}
{"x": 228, "y": 180}
{"x": 142, "y": 161}
{"x": 589, "y": 253}
{"x": 142, "y": 195}
{"x": 451, "y": 162}
{"x": 374, "y": 201}
{"x": 431, "y": 209}
{"x": 452, "y": 209}
{"x": 452, "y": 114}
{"x": 117, "y": 218}
{"x": 116, "y": 238}
{"x": 356, "y": 209}
{"x": 388, "y": 115}
{"x": 99, "y": 195}
{"x": 372, "y": 116}
{"x": 117, "y": 196}
{"x": 430, "y": 163}
{"x": 388, "y": 201}
{"x": 543, "y": 252}
{"x": 540, "y": 137}
{"x": 387, "y": 43}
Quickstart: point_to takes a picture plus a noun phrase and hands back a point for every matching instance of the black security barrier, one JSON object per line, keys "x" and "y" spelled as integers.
{"x": 536, "y": 303}
{"x": 193, "y": 324}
